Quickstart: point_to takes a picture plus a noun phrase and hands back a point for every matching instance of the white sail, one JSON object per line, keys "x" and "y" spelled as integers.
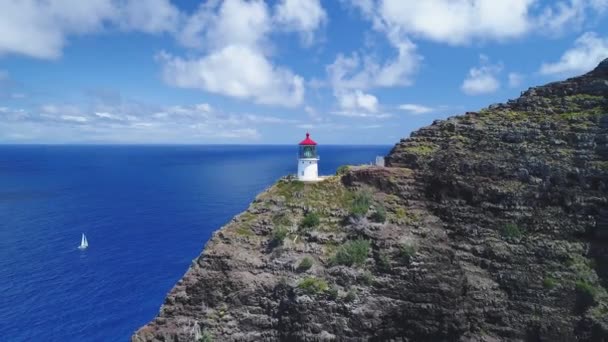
{"x": 83, "y": 242}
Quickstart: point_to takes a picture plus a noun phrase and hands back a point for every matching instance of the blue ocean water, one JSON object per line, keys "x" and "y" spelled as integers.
{"x": 147, "y": 212}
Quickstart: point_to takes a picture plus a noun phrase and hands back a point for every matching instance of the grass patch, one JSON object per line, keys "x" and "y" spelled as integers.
{"x": 361, "y": 204}
{"x": 332, "y": 293}
{"x": 367, "y": 278}
{"x": 353, "y": 252}
{"x": 511, "y": 231}
{"x": 549, "y": 283}
{"x": 351, "y": 296}
{"x": 342, "y": 170}
{"x": 205, "y": 337}
{"x": 305, "y": 264}
{"x": 384, "y": 262}
{"x": 379, "y": 214}
{"x": 244, "y": 230}
{"x": 586, "y": 294}
{"x": 310, "y": 221}
{"x": 279, "y": 233}
{"x": 281, "y": 219}
{"x": 404, "y": 216}
{"x": 423, "y": 150}
{"x": 312, "y": 285}
{"x": 407, "y": 253}
{"x": 289, "y": 188}
{"x": 601, "y": 165}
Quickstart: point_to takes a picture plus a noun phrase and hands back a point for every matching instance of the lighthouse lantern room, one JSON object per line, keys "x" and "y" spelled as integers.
{"x": 308, "y": 169}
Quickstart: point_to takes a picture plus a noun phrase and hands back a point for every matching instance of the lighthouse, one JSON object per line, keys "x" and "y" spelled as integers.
{"x": 308, "y": 169}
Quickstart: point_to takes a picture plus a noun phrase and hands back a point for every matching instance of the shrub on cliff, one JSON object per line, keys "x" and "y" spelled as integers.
{"x": 379, "y": 215}
{"x": 352, "y": 253}
{"x": 205, "y": 337}
{"x": 360, "y": 204}
{"x": 407, "y": 253}
{"x": 312, "y": 285}
{"x": 310, "y": 220}
{"x": 279, "y": 234}
{"x": 305, "y": 264}
{"x": 549, "y": 283}
{"x": 511, "y": 231}
{"x": 342, "y": 170}
{"x": 586, "y": 294}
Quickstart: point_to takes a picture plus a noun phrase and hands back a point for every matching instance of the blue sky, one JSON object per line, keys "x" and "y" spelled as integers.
{"x": 265, "y": 72}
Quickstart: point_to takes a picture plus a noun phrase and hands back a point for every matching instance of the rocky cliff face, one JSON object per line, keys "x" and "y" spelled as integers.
{"x": 491, "y": 226}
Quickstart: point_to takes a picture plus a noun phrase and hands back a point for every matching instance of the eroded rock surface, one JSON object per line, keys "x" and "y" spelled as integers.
{"x": 491, "y": 226}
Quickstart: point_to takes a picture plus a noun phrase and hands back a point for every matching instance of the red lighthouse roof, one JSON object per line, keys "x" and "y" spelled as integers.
{"x": 307, "y": 141}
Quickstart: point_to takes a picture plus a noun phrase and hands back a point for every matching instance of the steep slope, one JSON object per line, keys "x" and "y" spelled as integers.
{"x": 483, "y": 227}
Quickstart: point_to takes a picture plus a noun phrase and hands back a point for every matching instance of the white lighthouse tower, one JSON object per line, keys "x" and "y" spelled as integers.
{"x": 308, "y": 168}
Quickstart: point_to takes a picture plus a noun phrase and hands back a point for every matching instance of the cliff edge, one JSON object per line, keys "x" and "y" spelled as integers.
{"x": 490, "y": 226}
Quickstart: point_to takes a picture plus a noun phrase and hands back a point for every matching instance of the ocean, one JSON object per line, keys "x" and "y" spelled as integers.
{"x": 147, "y": 212}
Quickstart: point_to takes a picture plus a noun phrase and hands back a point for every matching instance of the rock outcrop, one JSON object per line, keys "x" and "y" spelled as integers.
{"x": 490, "y": 226}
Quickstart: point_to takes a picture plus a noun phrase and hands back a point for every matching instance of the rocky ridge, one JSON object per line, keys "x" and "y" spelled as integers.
{"x": 490, "y": 226}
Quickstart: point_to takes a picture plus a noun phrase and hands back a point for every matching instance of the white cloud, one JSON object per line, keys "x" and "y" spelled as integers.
{"x": 515, "y": 79}
{"x": 231, "y": 22}
{"x": 233, "y": 33}
{"x": 415, "y": 109}
{"x": 569, "y": 14}
{"x": 132, "y": 123}
{"x": 304, "y": 16}
{"x": 460, "y": 22}
{"x": 457, "y": 21}
{"x": 361, "y": 114}
{"x": 110, "y": 116}
{"x": 348, "y": 76}
{"x": 40, "y": 28}
{"x": 588, "y": 51}
{"x": 149, "y": 16}
{"x": 358, "y": 100}
{"x": 74, "y": 118}
{"x": 366, "y": 72}
{"x": 482, "y": 79}
{"x": 236, "y": 71}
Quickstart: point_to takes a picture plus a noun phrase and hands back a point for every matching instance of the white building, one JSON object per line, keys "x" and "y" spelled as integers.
{"x": 308, "y": 168}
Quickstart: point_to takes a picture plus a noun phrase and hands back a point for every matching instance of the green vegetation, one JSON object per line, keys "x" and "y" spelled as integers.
{"x": 342, "y": 170}
{"x": 288, "y": 188}
{"x": 353, "y": 252}
{"x": 312, "y": 285}
{"x": 244, "y": 230}
{"x": 384, "y": 262}
{"x": 407, "y": 253}
{"x": 305, "y": 264}
{"x": 332, "y": 293}
{"x": 423, "y": 150}
{"x": 587, "y": 293}
{"x": 404, "y": 216}
{"x": 351, "y": 296}
{"x": 206, "y": 337}
{"x": 601, "y": 165}
{"x": 511, "y": 231}
{"x": 361, "y": 203}
{"x": 279, "y": 233}
{"x": 310, "y": 221}
{"x": 379, "y": 214}
{"x": 281, "y": 219}
{"x": 549, "y": 283}
{"x": 367, "y": 278}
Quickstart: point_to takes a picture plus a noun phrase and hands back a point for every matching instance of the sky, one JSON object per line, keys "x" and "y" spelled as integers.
{"x": 265, "y": 72}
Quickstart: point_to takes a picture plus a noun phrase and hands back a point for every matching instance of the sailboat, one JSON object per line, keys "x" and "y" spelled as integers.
{"x": 83, "y": 242}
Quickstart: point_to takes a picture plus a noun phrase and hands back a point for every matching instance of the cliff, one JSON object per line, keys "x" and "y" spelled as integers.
{"x": 490, "y": 226}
